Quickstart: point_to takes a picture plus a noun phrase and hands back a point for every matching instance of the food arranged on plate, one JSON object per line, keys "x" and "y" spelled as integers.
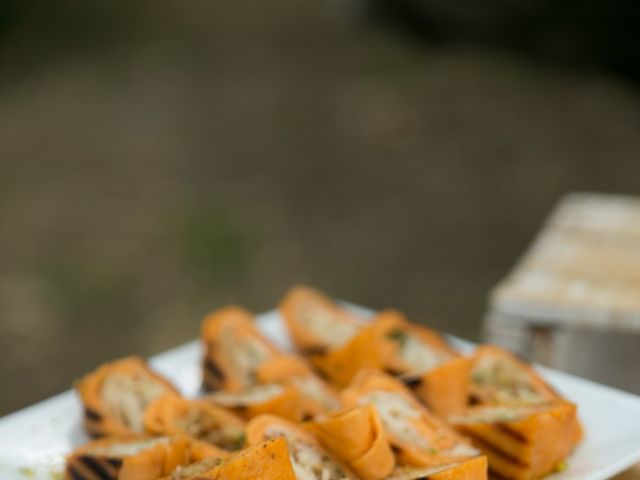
{"x": 370, "y": 399}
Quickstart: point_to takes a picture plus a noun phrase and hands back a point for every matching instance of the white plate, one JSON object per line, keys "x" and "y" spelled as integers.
{"x": 33, "y": 441}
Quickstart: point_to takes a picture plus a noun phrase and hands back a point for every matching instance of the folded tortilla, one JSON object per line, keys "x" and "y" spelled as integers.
{"x": 418, "y": 437}
{"x": 357, "y": 437}
{"x": 521, "y": 442}
{"x": 116, "y": 394}
{"x": 315, "y": 322}
{"x": 234, "y": 350}
{"x": 171, "y": 414}
{"x": 275, "y": 399}
{"x": 128, "y": 458}
{"x": 471, "y": 469}
{"x": 267, "y": 460}
{"x": 309, "y": 458}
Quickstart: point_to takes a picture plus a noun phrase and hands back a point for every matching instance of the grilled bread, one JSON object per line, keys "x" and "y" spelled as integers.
{"x": 471, "y": 469}
{"x": 115, "y": 396}
{"x": 275, "y": 399}
{"x": 309, "y": 459}
{"x": 234, "y": 350}
{"x": 268, "y": 460}
{"x": 521, "y": 442}
{"x": 421, "y": 357}
{"x": 356, "y": 436}
{"x": 127, "y": 458}
{"x": 315, "y": 322}
{"x": 171, "y": 414}
{"x": 419, "y": 438}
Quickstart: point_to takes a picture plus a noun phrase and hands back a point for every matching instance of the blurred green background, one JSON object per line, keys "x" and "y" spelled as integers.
{"x": 161, "y": 159}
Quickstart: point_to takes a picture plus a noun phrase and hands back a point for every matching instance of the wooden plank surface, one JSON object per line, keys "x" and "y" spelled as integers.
{"x": 632, "y": 474}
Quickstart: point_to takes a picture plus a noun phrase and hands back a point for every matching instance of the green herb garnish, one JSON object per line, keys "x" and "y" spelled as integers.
{"x": 398, "y": 336}
{"x": 240, "y": 441}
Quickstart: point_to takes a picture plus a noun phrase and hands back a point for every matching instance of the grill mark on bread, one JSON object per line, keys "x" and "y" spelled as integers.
{"x": 103, "y": 470}
{"x": 315, "y": 351}
{"x": 115, "y": 462}
{"x": 214, "y": 370}
{"x": 91, "y": 414}
{"x": 497, "y": 476}
{"x": 411, "y": 382}
{"x": 75, "y": 474}
{"x": 212, "y": 376}
{"x": 515, "y": 435}
{"x": 483, "y": 444}
{"x": 93, "y": 428}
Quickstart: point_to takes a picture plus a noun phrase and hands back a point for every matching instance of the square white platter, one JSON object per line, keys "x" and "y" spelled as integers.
{"x": 34, "y": 441}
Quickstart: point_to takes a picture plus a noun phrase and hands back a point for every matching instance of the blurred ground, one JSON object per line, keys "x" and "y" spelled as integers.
{"x": 192, "y": 155}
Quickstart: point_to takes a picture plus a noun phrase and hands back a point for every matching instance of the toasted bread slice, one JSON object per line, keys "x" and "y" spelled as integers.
{"x": 521, "y": 442}
{"x": 316, "y": 395}
{"x": 419, "y": 438}
{"x": 421, "y": 357}
{"x": 127, "y": 458}
{"x": 171, "y": 414}
{"x": 115, "y": 396}
{"x": 498, "y": 377}
{"x": 309, "y": 459}
{"x": 356, "y": 436}
{"x": 234, "y": 350}
{"x": 268, "y": 460}
{"x": 275, "y": 399}
{"x": 315, "y": 322}
{"x": 471, "y": 469}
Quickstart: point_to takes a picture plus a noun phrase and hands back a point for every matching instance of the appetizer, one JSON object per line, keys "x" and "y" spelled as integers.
{"x": 341, "y": 364}
{"x": 472, "y": 469}
{"x": 498, "y": 377}
{"x": 234, "y": 350}
{"x": 315, "y": 322}
{"x": 309, "y": 459}
{"x": 522, "y": 442}
{"x": 268, "y": 460}
{"x": 127, "y": 458}
{"x": 437, "y": 374}
{"x": 385, "y": 399}
{"x": 316, "y": 396}
{"x": 357, "y": 437}
{"x": 275, "y": 399}
{"x": 116, "y": 394}
{"x": 171, "y": 414}
{"x": 418, "y": 437}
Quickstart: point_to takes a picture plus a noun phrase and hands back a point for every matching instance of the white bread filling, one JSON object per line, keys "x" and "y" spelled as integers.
{"x": 415, "y": 473}
{"x": 324, "y": 324}
{"x": 313, "y": 387}
{"x": 251, "y": 396}
{"x": 199, "y": 424}
{"x": 189, "y": 471}
{"x": 512, "y": 383}
{"x": 496, "y": 414}
{"x": 119, "y": 450}
{"x": 126, "y": 396}
{"x": 397, "y": 416}
{"x": 308, "y": 462}
{"x": 421, "y": 357}
{"x": 245, "y": 354}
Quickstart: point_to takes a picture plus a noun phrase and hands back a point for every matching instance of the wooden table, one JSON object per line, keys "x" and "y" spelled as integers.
{"x": 632, "y": 474}
{"x": 581, "y": 274}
